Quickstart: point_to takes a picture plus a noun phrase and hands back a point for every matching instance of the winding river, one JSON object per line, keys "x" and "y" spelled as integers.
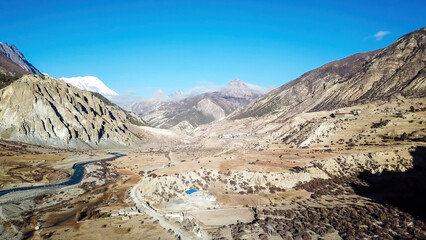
{"x": 75, "y": 178}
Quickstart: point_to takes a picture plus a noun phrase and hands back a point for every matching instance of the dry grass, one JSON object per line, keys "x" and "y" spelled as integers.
{"x": 138, "y": 227}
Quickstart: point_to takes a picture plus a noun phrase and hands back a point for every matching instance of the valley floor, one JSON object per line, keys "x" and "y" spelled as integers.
{"x": 306, "y": 184}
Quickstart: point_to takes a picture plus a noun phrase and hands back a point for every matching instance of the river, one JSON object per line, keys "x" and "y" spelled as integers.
{"x": 75, "y": 178}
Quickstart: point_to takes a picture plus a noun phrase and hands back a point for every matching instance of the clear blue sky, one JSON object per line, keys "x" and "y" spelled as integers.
{"x": 141, "y": 46}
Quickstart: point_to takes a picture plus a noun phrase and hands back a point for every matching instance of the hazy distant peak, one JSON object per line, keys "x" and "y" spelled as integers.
{"x": 90, "y": 83}
{"x": 158, "y": 92}
{"x": 160, "y": 95}
{"x": 237, "y": 83}
{"x": 178, "y": 95}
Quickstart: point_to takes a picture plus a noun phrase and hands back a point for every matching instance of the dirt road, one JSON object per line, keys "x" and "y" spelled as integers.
{"x": 164, "y": 222}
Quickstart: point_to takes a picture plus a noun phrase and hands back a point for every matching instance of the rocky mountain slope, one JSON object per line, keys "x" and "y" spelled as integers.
{"x": 398, "y": 69}
{"x": 7, "y": 67}
{"x": 200, "y": 109}
{"x": 48, "y": 111}
{"x": 9, "y": 71}
{"x": 12, "y": 53}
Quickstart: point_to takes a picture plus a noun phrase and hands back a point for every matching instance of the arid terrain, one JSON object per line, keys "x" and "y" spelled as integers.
{"x": 337, "y": 177}
{"x": 337, "y": 153}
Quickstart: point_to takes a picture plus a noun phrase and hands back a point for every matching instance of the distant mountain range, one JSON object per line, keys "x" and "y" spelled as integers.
{"x": 48, "y": 111}
{"x": 172, "y": 111}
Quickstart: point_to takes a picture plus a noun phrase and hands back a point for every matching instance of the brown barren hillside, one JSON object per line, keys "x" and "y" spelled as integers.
{"x": 398, "y": 69}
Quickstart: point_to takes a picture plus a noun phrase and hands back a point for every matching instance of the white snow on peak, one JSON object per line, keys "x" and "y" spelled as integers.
{"x": 238, "y": 85}
{"x": 159, "y": 95}
{"x": 90, "y": 83}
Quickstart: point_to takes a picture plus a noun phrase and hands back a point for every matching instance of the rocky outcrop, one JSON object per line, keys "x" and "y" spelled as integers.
{"x": 398, "y": 69}
{"x": 12, "y": 53}
{"x": 47, "y": 111}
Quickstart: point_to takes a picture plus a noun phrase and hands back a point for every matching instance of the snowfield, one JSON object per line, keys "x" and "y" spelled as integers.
{"x": 90, "y": 83}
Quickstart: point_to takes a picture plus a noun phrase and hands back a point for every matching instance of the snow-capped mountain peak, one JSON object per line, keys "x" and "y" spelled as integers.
{"x": 90, "y": 83}
{"x": 237, "y": 83}
{"x": 238, "y": 88}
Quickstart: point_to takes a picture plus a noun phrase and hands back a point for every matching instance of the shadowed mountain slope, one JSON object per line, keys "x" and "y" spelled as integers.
{"x": 12, "y": 53}
{"x": 9, "y": 71}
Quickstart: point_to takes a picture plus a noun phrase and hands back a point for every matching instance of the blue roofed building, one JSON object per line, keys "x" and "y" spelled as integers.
{"x": 191, "y": 191}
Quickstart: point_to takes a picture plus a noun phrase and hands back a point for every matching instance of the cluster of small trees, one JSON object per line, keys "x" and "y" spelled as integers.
{"x": 5, "y": 80}
{"x": 350, "y": 221}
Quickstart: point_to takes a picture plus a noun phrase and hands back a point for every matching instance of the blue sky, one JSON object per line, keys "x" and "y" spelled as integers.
{"x": 137, "y": 47}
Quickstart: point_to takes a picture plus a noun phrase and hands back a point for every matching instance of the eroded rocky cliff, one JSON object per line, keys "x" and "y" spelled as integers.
{"x": 48, "y": 111}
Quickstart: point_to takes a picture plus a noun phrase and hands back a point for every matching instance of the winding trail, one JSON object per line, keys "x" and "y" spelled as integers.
{"x": 163, "y": 221}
